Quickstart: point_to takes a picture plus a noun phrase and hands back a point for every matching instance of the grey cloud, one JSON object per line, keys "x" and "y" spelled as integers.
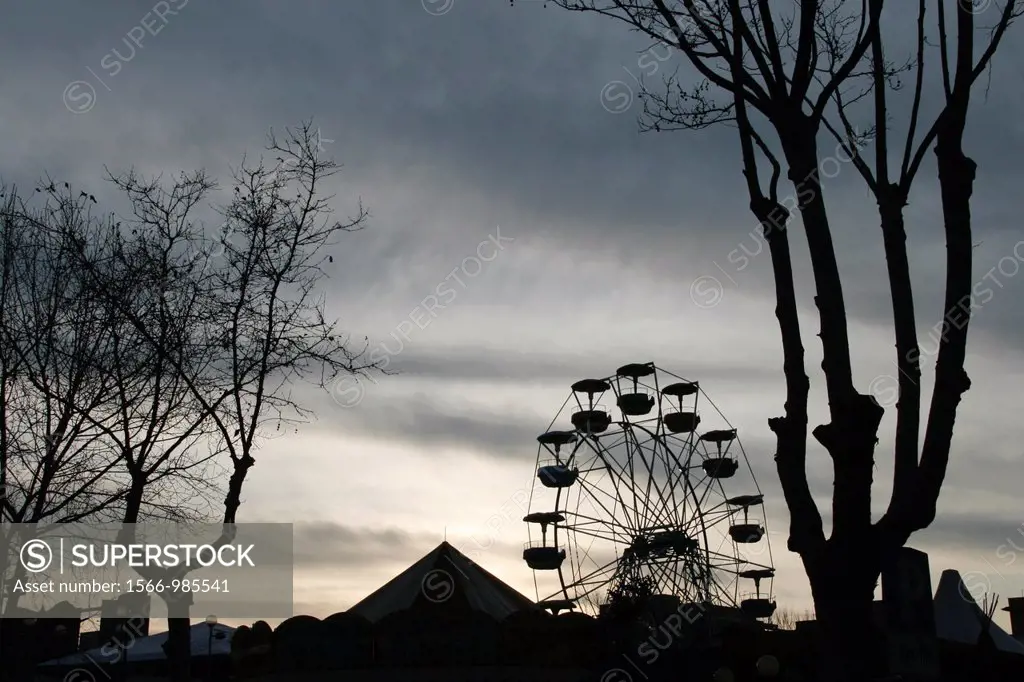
{"x": 422, "y": 423}
{"x": 484, "y": 365}
{"x": 327, "y": 544}
{"x": 996, "y": 537}
{"x": 420, "y": 420}
{"x": 558, "y": 151}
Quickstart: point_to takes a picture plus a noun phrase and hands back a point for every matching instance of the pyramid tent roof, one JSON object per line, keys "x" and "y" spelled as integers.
{"x": 479, "y": 590}
{"x": 958, "y": 617}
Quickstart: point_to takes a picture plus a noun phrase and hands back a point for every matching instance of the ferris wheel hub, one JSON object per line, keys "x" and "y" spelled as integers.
{"x": 661, "y": 544}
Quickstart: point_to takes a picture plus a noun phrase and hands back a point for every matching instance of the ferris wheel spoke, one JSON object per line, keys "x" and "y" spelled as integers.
{"x": 599, "y": 469}
{"x": 599, "y": 573}
{"x": 579, "y": 488}
{"x": 630, "y": 479}
{"x": 726, "y": 541}
{"x": 602, "y": 532}
{"x": 646, "y": 505}
{"x": 678, "y": 576}
{"x": 657, "y": 514}
{"x": 630, "y": 521}
{"x": 725, "y": 595}
{"x": 664, "y": 456}
{"x": 591, "y": 521}
{"x": 613, "y": 530}
{"x": 722, "y": 507}
{"x": 632, "y": 451}
{"x": 666, "y": 487}
{"x": 700, "y": 582}
{"x": 615, "y": 496}
{"x": 595, "y": 492}
{"x": 597, "y": 580}
{"x": 713, "y": 484}
{"x": 597, "y": 534}
{"x": 586, "y": 459}
{"x": 653, "y": 515}
{"x": 660, "y": 514}
{"x": 683, "y": 479}
{"x": 670, "y": 575}
{"x": 716, "y": 518}
{"x": 719, "y": 560}
{"x": 707, "y": 484}
{"x": 732, "y": 570}
{"x": 754, "y": 565}
{"x": 585, "y": 557}
{"x": 678, "y": 507}
{"x": 572, "y": 544}
{"x": 627, "y": 478}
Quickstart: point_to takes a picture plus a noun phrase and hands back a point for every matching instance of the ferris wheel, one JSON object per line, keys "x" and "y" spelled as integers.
{"x": 645, "y": 493}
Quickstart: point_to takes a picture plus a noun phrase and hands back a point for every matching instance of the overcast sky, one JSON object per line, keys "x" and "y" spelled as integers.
{"x": 472, "y": 130}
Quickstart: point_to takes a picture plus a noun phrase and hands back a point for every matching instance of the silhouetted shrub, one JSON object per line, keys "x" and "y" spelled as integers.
{"x": 415, "y": 638}
{"x": 295, "y": 644}
{"x": 347, "y": 640}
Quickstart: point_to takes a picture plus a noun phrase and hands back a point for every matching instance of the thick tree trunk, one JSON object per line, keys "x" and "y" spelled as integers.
{"x": 179, "y": 641}
{"x": 843, "y": 586}
{"x": 234, "y": 497}
{"x": 844, "y": 572}
{"x": 133, "y": 500}
{"x": 805, "y": 532}
{"x": 179, "y": 622}
{"x": 956, "y": 176}
{"x": 915, "y": 500}
{"x": 908, "y": 408}
{"x": 956, "y": 180}
{"x": 851, "y": 436}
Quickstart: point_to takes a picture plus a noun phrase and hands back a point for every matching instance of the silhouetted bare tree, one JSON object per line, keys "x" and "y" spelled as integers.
{"x": 205, "y": 336}
{"x": 258, "y": 291}
{"x": 58, "y": 374}
{"x": 795, "y": 75}
{"x": 95, "y": 424}
{"x": 629, "y": 598}
{"x": 54, "y": 374}
{"x": 786, "y": 619}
